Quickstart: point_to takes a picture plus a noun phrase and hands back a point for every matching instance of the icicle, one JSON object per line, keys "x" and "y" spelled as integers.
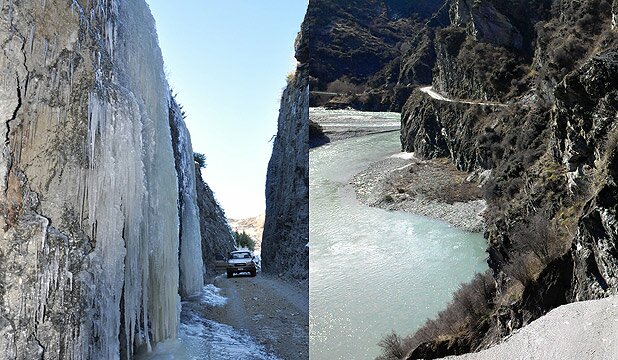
{"x": 31, "y": 39}
{"x": 45, "y": 48}
{"x": 128, "y": 192}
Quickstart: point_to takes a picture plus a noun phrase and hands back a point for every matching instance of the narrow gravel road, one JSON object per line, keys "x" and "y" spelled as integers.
{"x": 272, "y": 311}
{"x": 435, "y": 95}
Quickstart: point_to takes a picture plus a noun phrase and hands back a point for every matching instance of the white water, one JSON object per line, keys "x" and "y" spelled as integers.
{"x": 352, "y": 119}
{"x": 200, "y": 338}
{"x": 371, "y": 270}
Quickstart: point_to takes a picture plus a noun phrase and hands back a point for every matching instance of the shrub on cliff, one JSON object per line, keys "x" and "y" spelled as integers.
{"x": 316, "y": 135}
{"x": 538, "y": 237}
{"x": 200, "y": 159}
{"x": 344, "y": 86}
{"x": 567, "y": 36}
{"x": 393, "y": 347}
{"x": 470, "y": 307}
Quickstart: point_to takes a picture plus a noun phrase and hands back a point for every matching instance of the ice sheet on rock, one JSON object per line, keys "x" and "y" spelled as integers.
{"x": 131, "y": 189}
{"x": 191, "y": 263}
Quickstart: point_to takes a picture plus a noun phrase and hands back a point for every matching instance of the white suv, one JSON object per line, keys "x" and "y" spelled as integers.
{"x": 241, "y": 261}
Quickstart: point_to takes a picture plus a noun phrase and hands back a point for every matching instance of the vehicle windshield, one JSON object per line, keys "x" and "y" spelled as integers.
{"x": 243, "y": 255}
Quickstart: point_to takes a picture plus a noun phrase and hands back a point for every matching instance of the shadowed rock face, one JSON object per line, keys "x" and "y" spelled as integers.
{"x": 316, "y": 135}
{"x": 217, "y": 238}
{"x": 286, "y": 226}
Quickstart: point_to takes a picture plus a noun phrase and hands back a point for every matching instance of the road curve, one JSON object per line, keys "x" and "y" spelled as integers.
{"x": 435, "y": 95}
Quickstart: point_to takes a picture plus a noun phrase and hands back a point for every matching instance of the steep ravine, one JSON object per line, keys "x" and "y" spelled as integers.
{"x": 552, "y": 207}
{"x": 90, "y": 217}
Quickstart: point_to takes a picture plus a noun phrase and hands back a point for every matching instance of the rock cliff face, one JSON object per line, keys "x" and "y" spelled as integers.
{"x": 548, "y": 139}
{"x": 217, "y": 238}
{"x": 89, "y": 225}
{"x": 286, "y": 225}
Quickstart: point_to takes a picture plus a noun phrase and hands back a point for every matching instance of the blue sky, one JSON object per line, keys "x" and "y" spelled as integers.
{"x": 227, "y": 60}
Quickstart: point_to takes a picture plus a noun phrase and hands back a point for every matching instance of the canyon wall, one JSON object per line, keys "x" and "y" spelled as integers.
{"x": 286, "y": 226}
{"x": 370, "y": 54}
{"x": 527, "y": 104}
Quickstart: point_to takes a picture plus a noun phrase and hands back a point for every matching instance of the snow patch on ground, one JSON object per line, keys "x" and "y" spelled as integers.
{"x": 200, "y": 338}
{"x": 210, "y": 295}
{"x": 581, "y": 330}
{"x": 404, "y": 155}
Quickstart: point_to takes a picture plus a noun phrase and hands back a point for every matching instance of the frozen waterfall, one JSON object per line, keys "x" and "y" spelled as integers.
{"x": 100, "y": 232}
{"x": 132, "y": 194}
{"x": 191, "y": 266}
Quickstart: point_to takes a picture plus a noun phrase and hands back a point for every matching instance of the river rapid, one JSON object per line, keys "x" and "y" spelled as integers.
{"x": 371, "y": 270}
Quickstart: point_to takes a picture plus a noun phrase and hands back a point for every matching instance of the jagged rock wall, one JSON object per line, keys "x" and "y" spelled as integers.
{"x": 428, "y": 129}
{"x": 586, "y": 144}
{"x": 217, "y": 238}
{"x": 490, "y": 44}
{"x": 286, "y": 225}
{"x": 89, "y": 220}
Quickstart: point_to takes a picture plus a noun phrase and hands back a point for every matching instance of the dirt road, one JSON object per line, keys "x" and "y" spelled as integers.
{"x": 271, "y": 310}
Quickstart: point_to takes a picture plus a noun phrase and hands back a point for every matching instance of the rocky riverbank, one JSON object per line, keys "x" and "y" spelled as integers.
{"x": 432, "y": 188}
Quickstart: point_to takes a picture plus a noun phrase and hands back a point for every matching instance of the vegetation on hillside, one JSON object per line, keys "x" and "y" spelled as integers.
{"x": 244, "y": 240}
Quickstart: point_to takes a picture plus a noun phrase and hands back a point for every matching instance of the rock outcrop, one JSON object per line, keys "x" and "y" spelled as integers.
{"x": 575, "y": 331}
{"x": 89, "y": 218}
{"x": 316, "y": 135}
{"x": 286, "y": 226}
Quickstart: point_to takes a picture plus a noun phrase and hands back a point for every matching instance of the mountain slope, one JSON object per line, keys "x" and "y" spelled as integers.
{"x": 370, "y": 52}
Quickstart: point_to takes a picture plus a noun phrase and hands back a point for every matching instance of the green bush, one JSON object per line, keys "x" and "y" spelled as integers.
{"x": 244, "y": 241}
{"x": 200, "y": 159}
